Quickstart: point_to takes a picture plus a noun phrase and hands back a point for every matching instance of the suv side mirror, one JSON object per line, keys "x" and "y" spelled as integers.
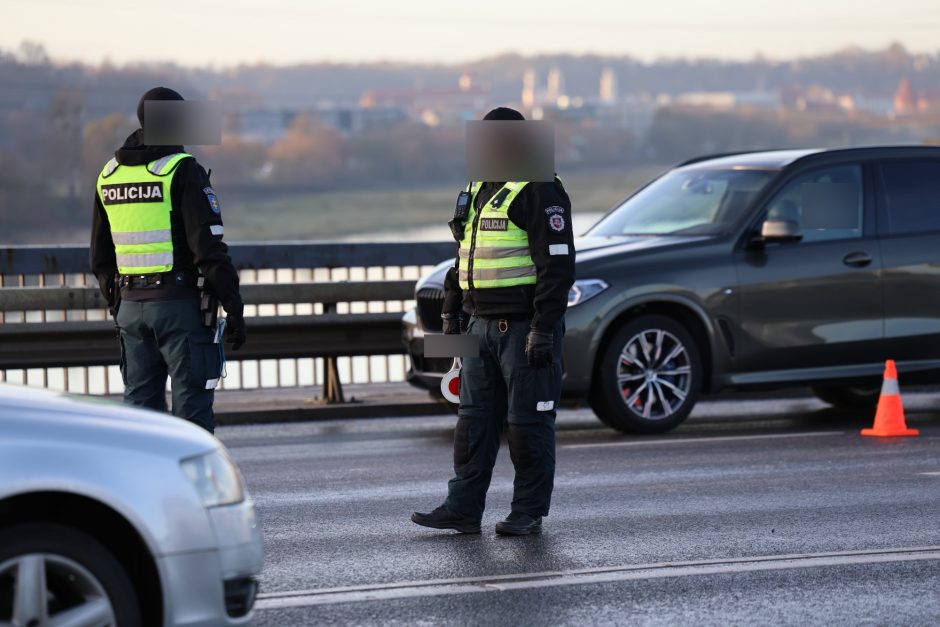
{"x": 780, "y": 231}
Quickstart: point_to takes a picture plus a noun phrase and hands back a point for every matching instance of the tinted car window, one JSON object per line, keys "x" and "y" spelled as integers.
{"x": 826, "y": 203}
{"x": 912, "y": 195}
{"x": 695, "y": 201}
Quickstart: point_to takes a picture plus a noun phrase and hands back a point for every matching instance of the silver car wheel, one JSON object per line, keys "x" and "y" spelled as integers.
{"x": 654, "y": 373}
{"x": 52, "y": 590}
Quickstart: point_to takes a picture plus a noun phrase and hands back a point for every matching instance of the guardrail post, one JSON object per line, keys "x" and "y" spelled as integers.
{"x": 332, "y": 386}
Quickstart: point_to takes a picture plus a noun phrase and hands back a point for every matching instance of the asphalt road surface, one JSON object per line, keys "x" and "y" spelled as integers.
{"x": 770, "y": 511}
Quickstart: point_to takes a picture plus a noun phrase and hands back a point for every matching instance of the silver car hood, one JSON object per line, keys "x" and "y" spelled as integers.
{"x": 43, "y": 415}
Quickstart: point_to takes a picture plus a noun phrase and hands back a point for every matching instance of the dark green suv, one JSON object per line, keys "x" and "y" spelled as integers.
{"x": 749, "y": 270}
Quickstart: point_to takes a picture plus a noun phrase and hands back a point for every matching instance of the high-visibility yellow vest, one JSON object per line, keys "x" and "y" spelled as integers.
{"x": 494, "y": 252}
{"x": 136, "y": 199}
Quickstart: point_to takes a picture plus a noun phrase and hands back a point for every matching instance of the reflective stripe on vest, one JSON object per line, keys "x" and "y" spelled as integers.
{"x": 494, "y": 252}
{"x": 137, "y": 202}
{"x": 143, "y": 237}
{"x": 497, "y": 274}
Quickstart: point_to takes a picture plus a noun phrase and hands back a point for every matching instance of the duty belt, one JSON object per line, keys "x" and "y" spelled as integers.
{"x": 159, "y": 280}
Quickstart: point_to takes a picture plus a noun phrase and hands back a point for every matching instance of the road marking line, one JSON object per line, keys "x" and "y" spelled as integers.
{"x": 547, "y": 579}
{"x": 720, "y": 438}
{"x": 930, "y": 474}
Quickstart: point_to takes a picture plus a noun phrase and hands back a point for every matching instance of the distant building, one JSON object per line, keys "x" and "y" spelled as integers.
{"x": 555, "y": 85}
{"x": 259, "y": 125}
{"x": 904, "y": 100}
{"x": 818, "y": 98}
{"x": 634, "y": 113}
{"x": 757, "y": 99}
{"x": 907, "y": 101}
{"x": 711, "y": 99}
{"x": 877, "y": 105}
{"x": 608, "y": 87}
{"x": 553, "y": 95}
{"x": 528, "y": 89}
{"x": 268, "y": 125}
{"x": 431, "y": 105}
{"x": 354, "y": 119}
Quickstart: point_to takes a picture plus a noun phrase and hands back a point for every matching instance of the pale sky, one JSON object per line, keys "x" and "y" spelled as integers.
{"x": 226, "y": 33}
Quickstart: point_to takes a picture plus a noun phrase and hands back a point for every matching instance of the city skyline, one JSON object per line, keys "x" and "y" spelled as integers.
{"x": 223, "y": 34}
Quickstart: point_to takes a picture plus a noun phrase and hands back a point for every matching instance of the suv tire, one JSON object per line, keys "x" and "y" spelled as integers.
{"x": 649, "y": 376}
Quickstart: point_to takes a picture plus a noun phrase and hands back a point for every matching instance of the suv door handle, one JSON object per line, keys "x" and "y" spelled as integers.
{"x": 858, "y": 260}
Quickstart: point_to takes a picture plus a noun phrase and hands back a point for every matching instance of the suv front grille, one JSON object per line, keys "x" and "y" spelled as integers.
{"x": 430, "y": 302}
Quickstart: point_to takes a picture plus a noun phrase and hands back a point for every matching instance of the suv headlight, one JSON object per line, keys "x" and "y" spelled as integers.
{"x": 215, "y": 478}
{"x": 585, "y": 289}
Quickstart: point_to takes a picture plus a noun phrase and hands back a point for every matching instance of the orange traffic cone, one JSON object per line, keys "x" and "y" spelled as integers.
{"x": 889, "y": 419}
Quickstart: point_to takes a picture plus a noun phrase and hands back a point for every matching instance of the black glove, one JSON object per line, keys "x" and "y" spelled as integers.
{"x": 454, "y": 324}
{"x": 109, "y": 289}
{"x": 540, "y": 348}
{"x": 235, "y": 327}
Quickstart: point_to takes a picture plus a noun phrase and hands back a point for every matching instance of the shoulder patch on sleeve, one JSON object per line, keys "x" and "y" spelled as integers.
{"x": 554, "y": 209}
{"x": 556, "y": 222}
{"x": 213, "y": 199}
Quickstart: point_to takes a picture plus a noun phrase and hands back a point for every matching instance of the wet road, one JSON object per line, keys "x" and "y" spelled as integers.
{"x": 754, "y": 511}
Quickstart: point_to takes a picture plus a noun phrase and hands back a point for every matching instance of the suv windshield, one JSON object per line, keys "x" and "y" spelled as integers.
{"x": 686, "y": 202}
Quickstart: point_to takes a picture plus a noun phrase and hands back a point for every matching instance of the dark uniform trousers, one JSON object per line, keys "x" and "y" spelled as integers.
{"x": 500, "y": 392}
{"x": 163, "y": 338}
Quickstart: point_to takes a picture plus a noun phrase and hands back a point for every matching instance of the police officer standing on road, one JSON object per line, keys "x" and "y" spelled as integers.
{"x": 509, "y": 288}
{"x": 157, "y": 250}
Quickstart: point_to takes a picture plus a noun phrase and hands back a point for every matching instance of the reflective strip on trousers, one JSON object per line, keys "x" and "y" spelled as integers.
{"x": 496, "y": 274}
{"x": 143, "y": 237}
{"x": 495, "y": 252}
{"x": 144, "y": 260}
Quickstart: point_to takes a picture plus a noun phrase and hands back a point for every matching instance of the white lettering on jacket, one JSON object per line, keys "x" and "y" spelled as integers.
{"x": 120, "y": 193}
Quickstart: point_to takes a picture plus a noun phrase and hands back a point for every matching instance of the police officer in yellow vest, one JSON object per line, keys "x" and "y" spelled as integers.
{"x": 156, "y": 245}
{"x": 509, "y": 287}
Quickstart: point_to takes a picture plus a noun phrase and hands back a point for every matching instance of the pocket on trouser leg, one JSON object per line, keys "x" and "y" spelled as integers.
{"x": 205, "y": 365}
{"x": 122, "y": 364}
{"x": 534, "y": 394}
{"x": 462, "y": 442}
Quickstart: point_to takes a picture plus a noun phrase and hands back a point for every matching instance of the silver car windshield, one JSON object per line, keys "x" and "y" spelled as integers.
{"x": 686, "y": 202}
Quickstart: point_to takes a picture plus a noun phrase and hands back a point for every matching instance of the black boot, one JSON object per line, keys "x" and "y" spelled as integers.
{"x": 442, "y": 518}
{"x": 519, "y": 524}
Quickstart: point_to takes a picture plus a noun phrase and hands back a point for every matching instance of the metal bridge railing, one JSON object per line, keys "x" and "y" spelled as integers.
{"x": 312, "y": 309}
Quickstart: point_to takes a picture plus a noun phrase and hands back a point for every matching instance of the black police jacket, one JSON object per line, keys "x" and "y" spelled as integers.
{"x": 191, "y": 221}
{"x": 543, "y": 210}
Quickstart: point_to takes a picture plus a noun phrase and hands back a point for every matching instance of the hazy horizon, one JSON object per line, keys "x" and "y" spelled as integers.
{"x": 147, "y": 64}
{"x": 288, "y": 32}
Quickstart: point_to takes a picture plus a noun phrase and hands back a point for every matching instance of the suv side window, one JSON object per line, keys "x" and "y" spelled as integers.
{"x": 826, "y": 203}
{"x": 911, "y": 195}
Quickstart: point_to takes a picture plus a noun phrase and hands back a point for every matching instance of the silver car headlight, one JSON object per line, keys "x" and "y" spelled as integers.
{"x": 585, "y": 289}
{"x": 215, "y": 477}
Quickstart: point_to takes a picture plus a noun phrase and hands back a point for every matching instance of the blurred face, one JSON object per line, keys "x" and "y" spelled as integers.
{"x": 510, "y": 150}
{"x": 182, "y": 122}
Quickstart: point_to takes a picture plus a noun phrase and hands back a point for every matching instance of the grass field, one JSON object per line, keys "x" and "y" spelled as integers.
{"x": 392, "y": 212}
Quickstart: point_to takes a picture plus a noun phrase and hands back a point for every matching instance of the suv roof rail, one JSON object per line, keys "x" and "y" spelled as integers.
{"x": 719, "y": 155}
